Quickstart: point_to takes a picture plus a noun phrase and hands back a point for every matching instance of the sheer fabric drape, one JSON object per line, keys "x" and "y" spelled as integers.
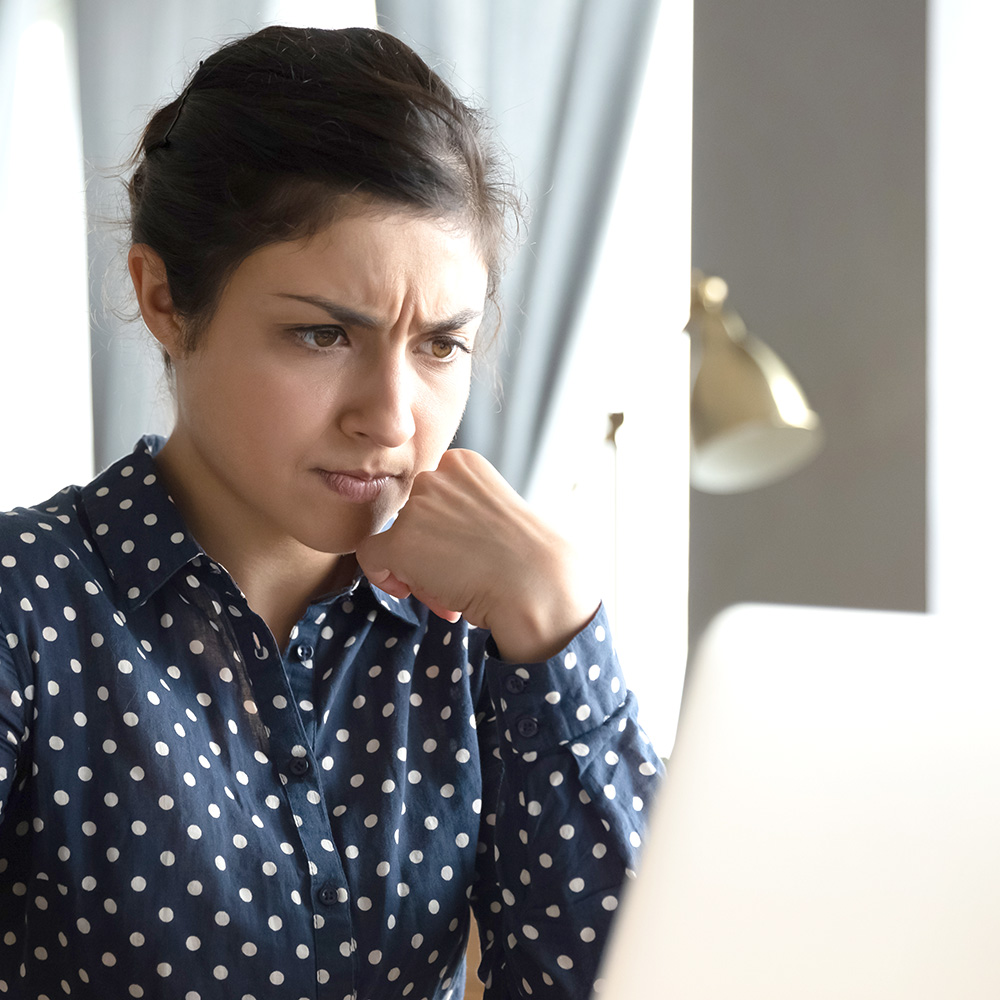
{"x": 561, "y": 79}
{"x": 44, "y": 350}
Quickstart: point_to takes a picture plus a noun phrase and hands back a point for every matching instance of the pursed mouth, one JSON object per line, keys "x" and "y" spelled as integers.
{"x": 356, "y": 486}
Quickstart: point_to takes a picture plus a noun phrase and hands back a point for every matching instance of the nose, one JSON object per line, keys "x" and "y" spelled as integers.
{"x": 381, "y": 403}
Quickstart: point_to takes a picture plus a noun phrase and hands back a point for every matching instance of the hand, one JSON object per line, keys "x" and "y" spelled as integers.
{"x": 466, "y": 544}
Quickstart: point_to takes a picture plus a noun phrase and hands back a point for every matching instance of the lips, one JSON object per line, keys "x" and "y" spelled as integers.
{"x": 356, "y": 485}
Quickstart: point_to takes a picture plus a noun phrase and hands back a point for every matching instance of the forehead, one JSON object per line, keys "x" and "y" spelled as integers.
{"x": 377, "y": 257}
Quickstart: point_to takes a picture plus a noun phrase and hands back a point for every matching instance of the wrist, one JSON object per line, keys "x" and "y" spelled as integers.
{"x": 532, "y": 632}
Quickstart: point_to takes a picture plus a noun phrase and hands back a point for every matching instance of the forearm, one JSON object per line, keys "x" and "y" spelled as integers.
{"x": 570, "y": 783}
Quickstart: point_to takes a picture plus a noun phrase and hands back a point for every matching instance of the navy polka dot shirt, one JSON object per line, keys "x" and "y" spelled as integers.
{"x": 189, "y": 812}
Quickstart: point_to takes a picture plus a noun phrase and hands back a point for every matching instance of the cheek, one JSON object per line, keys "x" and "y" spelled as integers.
{"x": 254, "y": 407}
{"x": 438, "y": 421}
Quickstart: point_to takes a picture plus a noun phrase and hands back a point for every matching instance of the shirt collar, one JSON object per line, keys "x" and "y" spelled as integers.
{"x": 134, "y": 525}
{"x": 143, "y": 539}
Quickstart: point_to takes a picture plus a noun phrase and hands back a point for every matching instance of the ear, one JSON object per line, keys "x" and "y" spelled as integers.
{"x": 149, "y": 278}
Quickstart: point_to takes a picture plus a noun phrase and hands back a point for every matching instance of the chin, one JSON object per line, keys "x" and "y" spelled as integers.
{"x": 342, "y": 541}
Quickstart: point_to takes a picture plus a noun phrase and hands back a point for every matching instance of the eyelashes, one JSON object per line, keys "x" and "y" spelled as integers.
{"x": 442, "y": 347}
{"x": 319, "y": 338}
{"x": 452, "y": 347}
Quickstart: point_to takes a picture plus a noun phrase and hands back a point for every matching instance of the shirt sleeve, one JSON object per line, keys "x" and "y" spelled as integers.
{"x": 13, "y": 717}
{"x": 568, "y": 777}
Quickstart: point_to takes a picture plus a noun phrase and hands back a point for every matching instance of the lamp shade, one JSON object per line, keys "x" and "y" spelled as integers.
{"x": 750, "y": 422}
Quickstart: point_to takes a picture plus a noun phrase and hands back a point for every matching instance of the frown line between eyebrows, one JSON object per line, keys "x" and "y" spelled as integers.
{"x": 351, "y": 317}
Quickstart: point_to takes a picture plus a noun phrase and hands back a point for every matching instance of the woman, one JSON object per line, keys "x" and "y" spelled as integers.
{"x": 255, "y": 746}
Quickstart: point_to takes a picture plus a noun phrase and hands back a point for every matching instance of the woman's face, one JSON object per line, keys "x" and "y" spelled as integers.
{"x": 333, "y": 371}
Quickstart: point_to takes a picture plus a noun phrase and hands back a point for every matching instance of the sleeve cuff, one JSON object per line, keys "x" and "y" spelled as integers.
{"x": 559, "y": 700}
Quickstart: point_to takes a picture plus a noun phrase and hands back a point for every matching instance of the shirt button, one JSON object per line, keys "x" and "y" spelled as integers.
{"x": 328, "y": 894}
{"x": 299, "y": 766}
{"x": 527, "y": 726}
{"x": 304, "y": 651}
{"x": 514, "y": 684}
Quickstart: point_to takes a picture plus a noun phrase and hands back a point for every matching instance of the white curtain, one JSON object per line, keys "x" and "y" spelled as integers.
{"x": 132, "y": 57}
{"x": 45, "y": 431}
{"x": 561, "y": 78}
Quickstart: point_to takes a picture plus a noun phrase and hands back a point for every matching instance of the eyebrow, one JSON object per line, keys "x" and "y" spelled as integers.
{"x": 351, "y": 317}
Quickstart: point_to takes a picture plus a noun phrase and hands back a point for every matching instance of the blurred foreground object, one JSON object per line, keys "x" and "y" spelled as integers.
{"x": 751, "y": 424}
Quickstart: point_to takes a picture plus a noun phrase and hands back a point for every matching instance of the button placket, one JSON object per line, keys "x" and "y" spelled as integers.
{"x": 514, "y": 684}
{"x": 527, "y": 726}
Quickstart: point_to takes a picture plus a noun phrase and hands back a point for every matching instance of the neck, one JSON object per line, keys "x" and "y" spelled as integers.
{"x": 279, "y": 576}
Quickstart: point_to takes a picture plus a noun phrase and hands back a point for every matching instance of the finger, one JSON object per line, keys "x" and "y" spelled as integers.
{"x": 391, "y": 584}
{"x": 440, "y": 610}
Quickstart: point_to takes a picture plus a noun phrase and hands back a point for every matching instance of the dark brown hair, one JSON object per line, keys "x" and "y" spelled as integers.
{"x": 275, "y": 129}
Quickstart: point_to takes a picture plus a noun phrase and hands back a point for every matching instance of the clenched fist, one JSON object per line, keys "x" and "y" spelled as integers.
{"x": 467, "y": 544}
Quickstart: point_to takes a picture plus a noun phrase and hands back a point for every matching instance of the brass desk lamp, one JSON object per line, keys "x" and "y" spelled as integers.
{"x": 750, "y": 422}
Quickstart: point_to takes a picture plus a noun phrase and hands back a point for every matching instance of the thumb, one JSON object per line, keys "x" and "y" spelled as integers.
{"x": 372, "y": 557}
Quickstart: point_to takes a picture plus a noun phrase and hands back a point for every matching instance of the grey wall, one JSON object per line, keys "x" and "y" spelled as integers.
{"x": 809, "y": 199}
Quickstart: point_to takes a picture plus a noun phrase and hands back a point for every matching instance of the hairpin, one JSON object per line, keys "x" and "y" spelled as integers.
{"x": 164, "y": 143}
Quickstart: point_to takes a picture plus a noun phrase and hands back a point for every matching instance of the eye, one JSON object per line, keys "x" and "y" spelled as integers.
{"x": 447, "y": 348}
{"x": 320, "y": 336}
